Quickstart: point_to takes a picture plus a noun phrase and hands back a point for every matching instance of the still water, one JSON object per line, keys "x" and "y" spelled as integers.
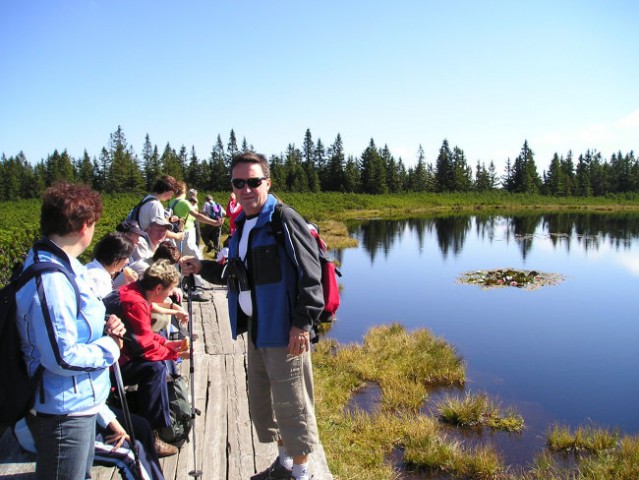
{"x": 564, "y": 354}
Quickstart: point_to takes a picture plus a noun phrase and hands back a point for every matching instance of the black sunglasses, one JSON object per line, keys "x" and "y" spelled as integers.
{"x": 251, "y": 182}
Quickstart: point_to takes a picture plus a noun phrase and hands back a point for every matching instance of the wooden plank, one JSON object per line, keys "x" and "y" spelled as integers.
{"x": 215, "y": 420}
{"x": 227, "y": 445}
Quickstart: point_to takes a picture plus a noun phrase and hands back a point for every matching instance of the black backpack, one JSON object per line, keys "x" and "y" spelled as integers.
{"x": 18, "y": 389}
{"x": 181, "y": 422}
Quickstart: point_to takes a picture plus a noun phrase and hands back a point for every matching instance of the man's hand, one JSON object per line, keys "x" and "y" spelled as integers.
{"x": 299, "y": 341}
{"x": 190, "y": 265}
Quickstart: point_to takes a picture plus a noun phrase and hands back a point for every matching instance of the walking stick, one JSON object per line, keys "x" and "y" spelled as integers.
{"x": 189, "y": 286}
{"x": 127, "y": 418}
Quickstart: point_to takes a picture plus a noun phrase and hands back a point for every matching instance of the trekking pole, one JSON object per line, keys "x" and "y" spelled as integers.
{"x": 127, "y": 417}
{"x": 189, "y": 285}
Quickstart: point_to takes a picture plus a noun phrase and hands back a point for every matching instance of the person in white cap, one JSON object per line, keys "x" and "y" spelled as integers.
{"x": 186, "y": 211}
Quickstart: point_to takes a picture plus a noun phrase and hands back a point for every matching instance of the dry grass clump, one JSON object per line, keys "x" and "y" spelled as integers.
{"x": 478, "y": 411}
{"x": 404, "y": 364}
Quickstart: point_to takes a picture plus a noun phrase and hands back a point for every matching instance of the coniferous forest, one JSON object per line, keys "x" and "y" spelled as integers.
{"x": 316, "y": 167}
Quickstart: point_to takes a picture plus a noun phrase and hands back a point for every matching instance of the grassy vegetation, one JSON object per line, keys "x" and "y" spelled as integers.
{"x": 599, "y": 455}
{"x": 561, "y": 438}
{"x": 20, "y": 219}
{"x": 478, "y": 411}
{"x": 406, "y": 366}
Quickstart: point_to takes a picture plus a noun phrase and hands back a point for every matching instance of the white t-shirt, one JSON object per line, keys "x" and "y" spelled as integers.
{"x": 101, "y": 279}
{"x": 244, "y": 299}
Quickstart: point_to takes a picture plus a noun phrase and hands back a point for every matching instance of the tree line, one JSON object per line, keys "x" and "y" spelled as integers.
{"x": 315, "y": 167}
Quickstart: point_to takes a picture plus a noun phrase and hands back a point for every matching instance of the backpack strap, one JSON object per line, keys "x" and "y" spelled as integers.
{"x": 147, "y": 199}
{"x": 276, "y": 222}
{"x": 40, "y": 267}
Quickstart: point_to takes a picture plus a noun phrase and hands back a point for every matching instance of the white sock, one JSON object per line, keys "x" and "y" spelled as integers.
{"x": 300, "y": 471}
{"x": 285, "y": 459}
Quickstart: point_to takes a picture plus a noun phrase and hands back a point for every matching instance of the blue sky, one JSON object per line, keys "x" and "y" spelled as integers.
{"x": 485, "y": 75}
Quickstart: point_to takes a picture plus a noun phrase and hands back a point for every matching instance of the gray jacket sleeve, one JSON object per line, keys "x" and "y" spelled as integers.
{"x": 303, "y": 252}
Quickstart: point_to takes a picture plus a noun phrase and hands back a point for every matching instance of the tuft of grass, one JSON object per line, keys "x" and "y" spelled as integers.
{"x": 478, "y": 411}
{"x": 405, "y": 364}
{"x": 591, "y": 439}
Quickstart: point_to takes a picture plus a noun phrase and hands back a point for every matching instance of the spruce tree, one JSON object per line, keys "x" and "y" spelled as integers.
{"x": 444, "y": 169}
{"x": 220, "y": 179}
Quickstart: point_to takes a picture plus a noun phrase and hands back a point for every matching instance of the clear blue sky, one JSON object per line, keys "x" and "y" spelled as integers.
{"x": 486, "y": 75}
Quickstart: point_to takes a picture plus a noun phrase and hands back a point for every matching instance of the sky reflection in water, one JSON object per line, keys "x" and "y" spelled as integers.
{"x": 565, "y": 353}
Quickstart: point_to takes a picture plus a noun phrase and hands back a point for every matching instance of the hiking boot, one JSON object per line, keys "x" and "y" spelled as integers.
{"x": 162, "y": 448}
{"x": 198, "y": 297}
{"x": 274, "y": 472}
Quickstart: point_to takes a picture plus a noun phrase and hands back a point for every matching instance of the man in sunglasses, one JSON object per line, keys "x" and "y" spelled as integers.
{"x": 275, "y": 293}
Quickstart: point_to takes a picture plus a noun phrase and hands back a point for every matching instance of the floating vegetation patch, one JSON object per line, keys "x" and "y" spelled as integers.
{"x": 508, "y": 277}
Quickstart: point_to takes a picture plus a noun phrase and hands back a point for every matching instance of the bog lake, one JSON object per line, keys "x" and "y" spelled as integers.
{"x": 563, "y": 354}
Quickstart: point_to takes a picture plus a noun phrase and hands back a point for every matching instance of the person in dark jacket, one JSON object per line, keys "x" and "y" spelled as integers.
{"x": 275, "y": 290}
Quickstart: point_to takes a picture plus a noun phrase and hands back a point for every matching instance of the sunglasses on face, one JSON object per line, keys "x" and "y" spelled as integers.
{"x": 254, "y": 182}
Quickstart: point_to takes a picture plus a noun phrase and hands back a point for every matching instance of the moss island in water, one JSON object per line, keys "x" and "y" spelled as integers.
{"x": 509, "y": 277}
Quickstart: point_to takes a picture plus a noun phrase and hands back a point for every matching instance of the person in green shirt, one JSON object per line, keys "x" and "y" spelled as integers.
{"x": 186, "y": 211}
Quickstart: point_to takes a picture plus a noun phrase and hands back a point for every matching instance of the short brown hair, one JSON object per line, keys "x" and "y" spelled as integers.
{"x": 67, "y": 207}
{"x": 180, "y": 188}
{"x": 252, "y": 157}
{"x": 168, "y": 251}
{"x": 166, "y": 183}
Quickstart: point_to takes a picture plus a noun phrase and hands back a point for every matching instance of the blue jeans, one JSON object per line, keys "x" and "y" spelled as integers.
{"x": 64, "y": 445}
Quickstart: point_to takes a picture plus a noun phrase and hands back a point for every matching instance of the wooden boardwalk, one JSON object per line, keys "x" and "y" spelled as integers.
{"x": 226, "y": 444}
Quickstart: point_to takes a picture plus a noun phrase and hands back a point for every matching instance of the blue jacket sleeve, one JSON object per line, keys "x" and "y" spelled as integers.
{"x": 68, "y": 341}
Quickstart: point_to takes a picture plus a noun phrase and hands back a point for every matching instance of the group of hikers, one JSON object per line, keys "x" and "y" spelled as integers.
{"x": 127, "y": 307}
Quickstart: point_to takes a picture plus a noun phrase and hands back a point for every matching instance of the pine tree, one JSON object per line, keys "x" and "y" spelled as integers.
{"x": 554, "y": 179}
{"x": 85, "y": 168}
{"x": 59, "y": 167}
{"x": 568, "y": 170}
{"x": 218, "y": 168}
{"x": 296, "y": 180}
{"x": 462, "y": 173}
{"x": 195, "y": 175}
{"x": 482, "y": 178}
{"x": 584, "y": 188}
{"x": 418, "y": 178}
{"x": 335, "y": 173}
{"x": 124, "y": 174}
{"x": 151, "y": 163}
{"x": 320, "y": 162}
{"x": 525, "y": 176}
{"x": 171, "y": 163}
{"x": 373, "y": 176}
{"x": 308, "y": 163}
{"x": 444, "y": 169}
{"x": 352, "y": 179}
{"x": 392, "y": 173}
{"x": 231, "y": 149}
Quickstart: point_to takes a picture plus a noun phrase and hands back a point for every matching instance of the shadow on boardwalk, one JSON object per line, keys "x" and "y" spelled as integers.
{"x": 226, "y": 444}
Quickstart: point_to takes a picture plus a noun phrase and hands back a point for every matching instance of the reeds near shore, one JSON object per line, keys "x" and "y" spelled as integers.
{"x": 391, "y": 435}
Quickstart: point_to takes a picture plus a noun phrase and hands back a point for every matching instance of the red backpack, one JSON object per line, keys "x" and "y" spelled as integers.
{"x": 330, "y": 272}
